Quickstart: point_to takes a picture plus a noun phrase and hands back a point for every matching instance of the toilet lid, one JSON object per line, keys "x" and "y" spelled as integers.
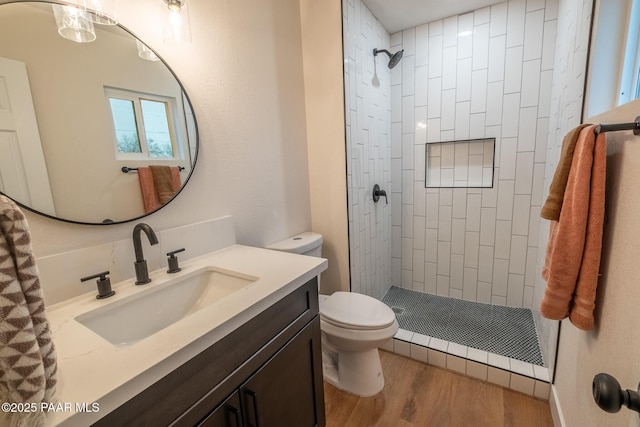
{"x": 356, "y": 310}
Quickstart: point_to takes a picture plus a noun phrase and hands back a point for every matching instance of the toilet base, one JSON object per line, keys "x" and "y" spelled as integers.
{"x": 358, "y": 372}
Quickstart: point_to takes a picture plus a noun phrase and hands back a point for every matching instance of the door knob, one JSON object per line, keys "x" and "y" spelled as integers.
{"x": 610, "y": 397}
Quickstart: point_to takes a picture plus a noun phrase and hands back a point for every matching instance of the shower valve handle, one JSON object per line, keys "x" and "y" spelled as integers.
{"x": 377, "y": 192}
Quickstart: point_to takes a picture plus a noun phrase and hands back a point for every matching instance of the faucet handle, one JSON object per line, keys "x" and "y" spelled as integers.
{"x": 103, "y": 282}
{"x": 173, "y": 261}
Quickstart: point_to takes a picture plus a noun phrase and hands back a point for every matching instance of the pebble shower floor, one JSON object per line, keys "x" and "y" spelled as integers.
{"x": 507, "y": 331}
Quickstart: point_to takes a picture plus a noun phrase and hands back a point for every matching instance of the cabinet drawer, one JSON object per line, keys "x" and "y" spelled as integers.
{"x": 211, "y": 376}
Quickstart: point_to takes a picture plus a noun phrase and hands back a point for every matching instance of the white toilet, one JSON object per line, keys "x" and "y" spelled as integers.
{"x": 353, "y": 327}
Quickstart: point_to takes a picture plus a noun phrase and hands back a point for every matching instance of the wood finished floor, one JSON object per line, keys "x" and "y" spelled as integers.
{"x": 416, "y": 394}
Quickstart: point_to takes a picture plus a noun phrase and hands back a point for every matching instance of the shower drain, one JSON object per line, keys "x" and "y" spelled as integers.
{"x": 397, "y": 310}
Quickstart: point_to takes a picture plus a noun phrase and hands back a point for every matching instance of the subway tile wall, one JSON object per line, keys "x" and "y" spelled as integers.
{"x": 433, "y": 228}
{"x": 566, "y": 96}
{"x": 368, "y": 134}
{"x": 484, "y": 74}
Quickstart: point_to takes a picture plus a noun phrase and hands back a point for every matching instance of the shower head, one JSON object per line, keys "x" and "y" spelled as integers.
{"x": 393, "y": 58}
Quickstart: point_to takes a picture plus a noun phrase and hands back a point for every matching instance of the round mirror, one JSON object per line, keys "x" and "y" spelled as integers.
{"x": 91, "y": 132}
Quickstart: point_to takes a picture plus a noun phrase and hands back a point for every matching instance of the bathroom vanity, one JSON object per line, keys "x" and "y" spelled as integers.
{"x": 268, "y": 372}
{"x": 249, "y": 358}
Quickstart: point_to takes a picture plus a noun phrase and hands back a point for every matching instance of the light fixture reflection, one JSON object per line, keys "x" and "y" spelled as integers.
{"x": 101, "y": 11}
{"x": 145, "y": 53}
{"x": 177, "y": 29}
{"x": 74, "y": 24}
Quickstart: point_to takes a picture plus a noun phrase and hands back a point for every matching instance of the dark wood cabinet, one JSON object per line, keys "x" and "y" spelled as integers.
{"x": 266, "y": 373}
{"x": 282, "y": 392}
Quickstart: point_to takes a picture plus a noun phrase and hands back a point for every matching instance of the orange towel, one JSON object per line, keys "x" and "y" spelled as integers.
{"x": 148, "y": 190}
{"x": 158, "y": 185}
{"x": 575, "y": 242}
{"x": 553, "y": 205}
{"x": 166, "y": 180}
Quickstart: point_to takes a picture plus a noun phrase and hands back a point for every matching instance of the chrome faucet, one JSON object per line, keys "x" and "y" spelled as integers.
{"x": 142, "y": 273}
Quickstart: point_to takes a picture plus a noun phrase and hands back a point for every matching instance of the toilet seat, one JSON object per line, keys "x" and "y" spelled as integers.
{"x": 356, "y": 311}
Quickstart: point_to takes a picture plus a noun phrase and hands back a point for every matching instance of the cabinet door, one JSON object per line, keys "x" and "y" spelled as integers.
{"x": 226, "y": 415}
{"x": 287, "y": 390}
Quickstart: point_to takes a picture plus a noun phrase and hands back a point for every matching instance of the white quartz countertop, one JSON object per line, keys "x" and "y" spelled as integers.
{"x": 94, "y": 372}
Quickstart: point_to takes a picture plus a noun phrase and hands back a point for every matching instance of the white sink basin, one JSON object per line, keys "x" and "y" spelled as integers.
{"x": 139, "y": 316}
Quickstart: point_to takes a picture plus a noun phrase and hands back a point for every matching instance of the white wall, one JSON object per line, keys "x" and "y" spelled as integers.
{"x": 324, "y": 95}
{"x": 614, "y": 345}
{"x": 368, "y": 117}
{"x": 244, "y": 75}
{"x": 486, "y": 73}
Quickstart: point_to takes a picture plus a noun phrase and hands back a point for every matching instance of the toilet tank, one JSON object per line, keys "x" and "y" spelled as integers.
{"x": 307, "y": 243}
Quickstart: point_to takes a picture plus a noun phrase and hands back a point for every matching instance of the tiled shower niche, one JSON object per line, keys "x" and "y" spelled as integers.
{"x": 460, "y": 164}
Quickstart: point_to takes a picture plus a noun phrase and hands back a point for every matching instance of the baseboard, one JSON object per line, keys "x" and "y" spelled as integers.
{"x": 556, "y": 410}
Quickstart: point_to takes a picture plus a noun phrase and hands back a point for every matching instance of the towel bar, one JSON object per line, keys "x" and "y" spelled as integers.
{"x": 634, "y": 126}
{"x": 127, "y": 169}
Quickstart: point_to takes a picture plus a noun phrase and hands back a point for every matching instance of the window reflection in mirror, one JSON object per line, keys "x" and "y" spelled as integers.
{"x": 614, "y": 62}
{"x": 630, "y": 85}
{"x": 143, "y": 126}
